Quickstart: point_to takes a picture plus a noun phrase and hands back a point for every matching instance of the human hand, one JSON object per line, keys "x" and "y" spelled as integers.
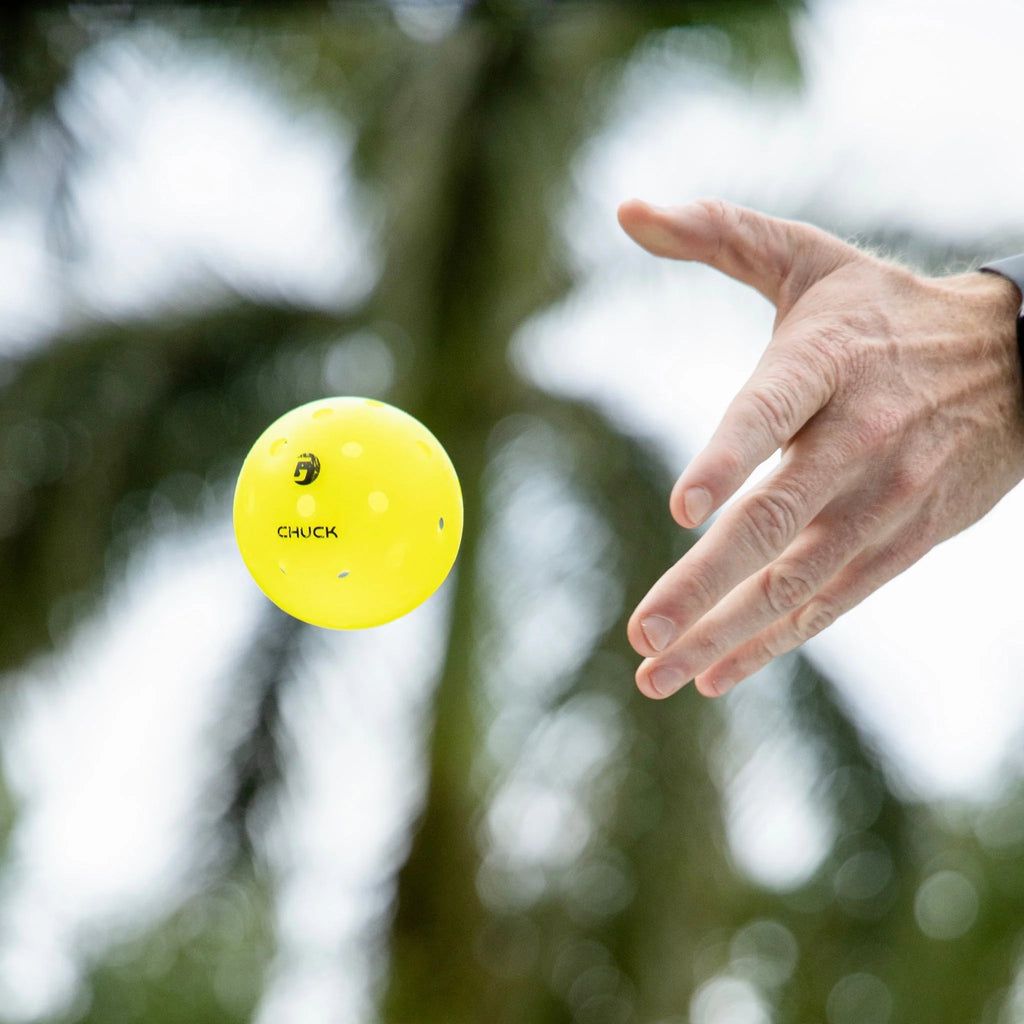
{"x": 898, "y": 405}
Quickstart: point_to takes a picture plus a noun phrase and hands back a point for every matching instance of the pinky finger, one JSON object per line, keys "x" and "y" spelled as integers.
{"x": 861, "y": 578}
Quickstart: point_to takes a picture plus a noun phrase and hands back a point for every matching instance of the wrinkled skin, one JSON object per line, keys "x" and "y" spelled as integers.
{"x": 898, "y": 406}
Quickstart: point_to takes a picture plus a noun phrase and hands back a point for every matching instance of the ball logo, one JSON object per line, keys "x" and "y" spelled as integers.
{"x": 307, "y": 469}
{"x": 305, "y": 532}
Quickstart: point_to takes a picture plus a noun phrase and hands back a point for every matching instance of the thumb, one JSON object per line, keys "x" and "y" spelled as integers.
{"x": 780, "y": 258}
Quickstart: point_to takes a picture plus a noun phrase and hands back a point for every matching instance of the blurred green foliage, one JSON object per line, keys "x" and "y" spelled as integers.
{"x": 204, "y": 965}
{"x": 464, "y": 145}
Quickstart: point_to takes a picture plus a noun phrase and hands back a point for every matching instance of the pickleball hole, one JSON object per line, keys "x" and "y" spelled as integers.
{"x": 280, "y": 566}
{"x": 306, "y": 505}
{"x": 440, "y": 524}
{"x": 373, "y": 401}
{"x": 343, "y": 574}
{"x": 378, "y": 501}
{"x": 352, "y": 449}
{"x": 278, "y": 446}
{"x": 423, "y": 448}
{"x": 323, "y": 414}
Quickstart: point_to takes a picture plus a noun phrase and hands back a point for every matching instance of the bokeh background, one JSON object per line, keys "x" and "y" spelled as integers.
{"x": 211, "y": 813}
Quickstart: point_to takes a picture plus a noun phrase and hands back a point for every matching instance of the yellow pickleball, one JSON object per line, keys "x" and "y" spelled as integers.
{"x": 348, "y": 513}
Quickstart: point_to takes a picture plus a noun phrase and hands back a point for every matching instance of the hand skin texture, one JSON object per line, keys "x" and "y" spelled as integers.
{"x": 898, "y": 405}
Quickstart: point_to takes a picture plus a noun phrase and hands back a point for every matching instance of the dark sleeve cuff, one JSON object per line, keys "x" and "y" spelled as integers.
{"x": 1012, "y": 268}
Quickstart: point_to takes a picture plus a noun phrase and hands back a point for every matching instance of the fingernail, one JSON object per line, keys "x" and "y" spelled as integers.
{"x": 697, "y": 502}
{"x": 658, "y": 631}
{"x": 720, "y": 686}
{"x": 665, "y": 680}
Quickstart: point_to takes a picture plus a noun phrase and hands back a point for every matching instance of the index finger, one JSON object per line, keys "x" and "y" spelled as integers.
{"x": 767, "y": 413}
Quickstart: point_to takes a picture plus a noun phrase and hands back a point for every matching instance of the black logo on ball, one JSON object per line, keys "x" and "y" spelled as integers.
{"x": 307, "y": 469}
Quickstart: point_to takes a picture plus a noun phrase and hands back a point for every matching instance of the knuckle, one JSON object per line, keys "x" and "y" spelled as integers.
{"x": 715, "y": 207}
{"x": 908, "y": 482}
{"x": 775, "y": 406}
{"x": 718, "y": 212}
{"x": 773, "y": 520}
{"x": 785, "y": 588}
{"x": 721, "y": 217}
{"x": 882, "y": 431}
{"x": 830, "y": 347}
{"x": 752, "y": 656}
{"x": 855, "y": 329}
{"x": 860, "y": 525}
{"x": 732, "y": 463}
{"x": 702, "y": 588}
{"x": 817, "y": 616}
{"x": 702, "y": 651}
{"x": 767, "y": 647}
